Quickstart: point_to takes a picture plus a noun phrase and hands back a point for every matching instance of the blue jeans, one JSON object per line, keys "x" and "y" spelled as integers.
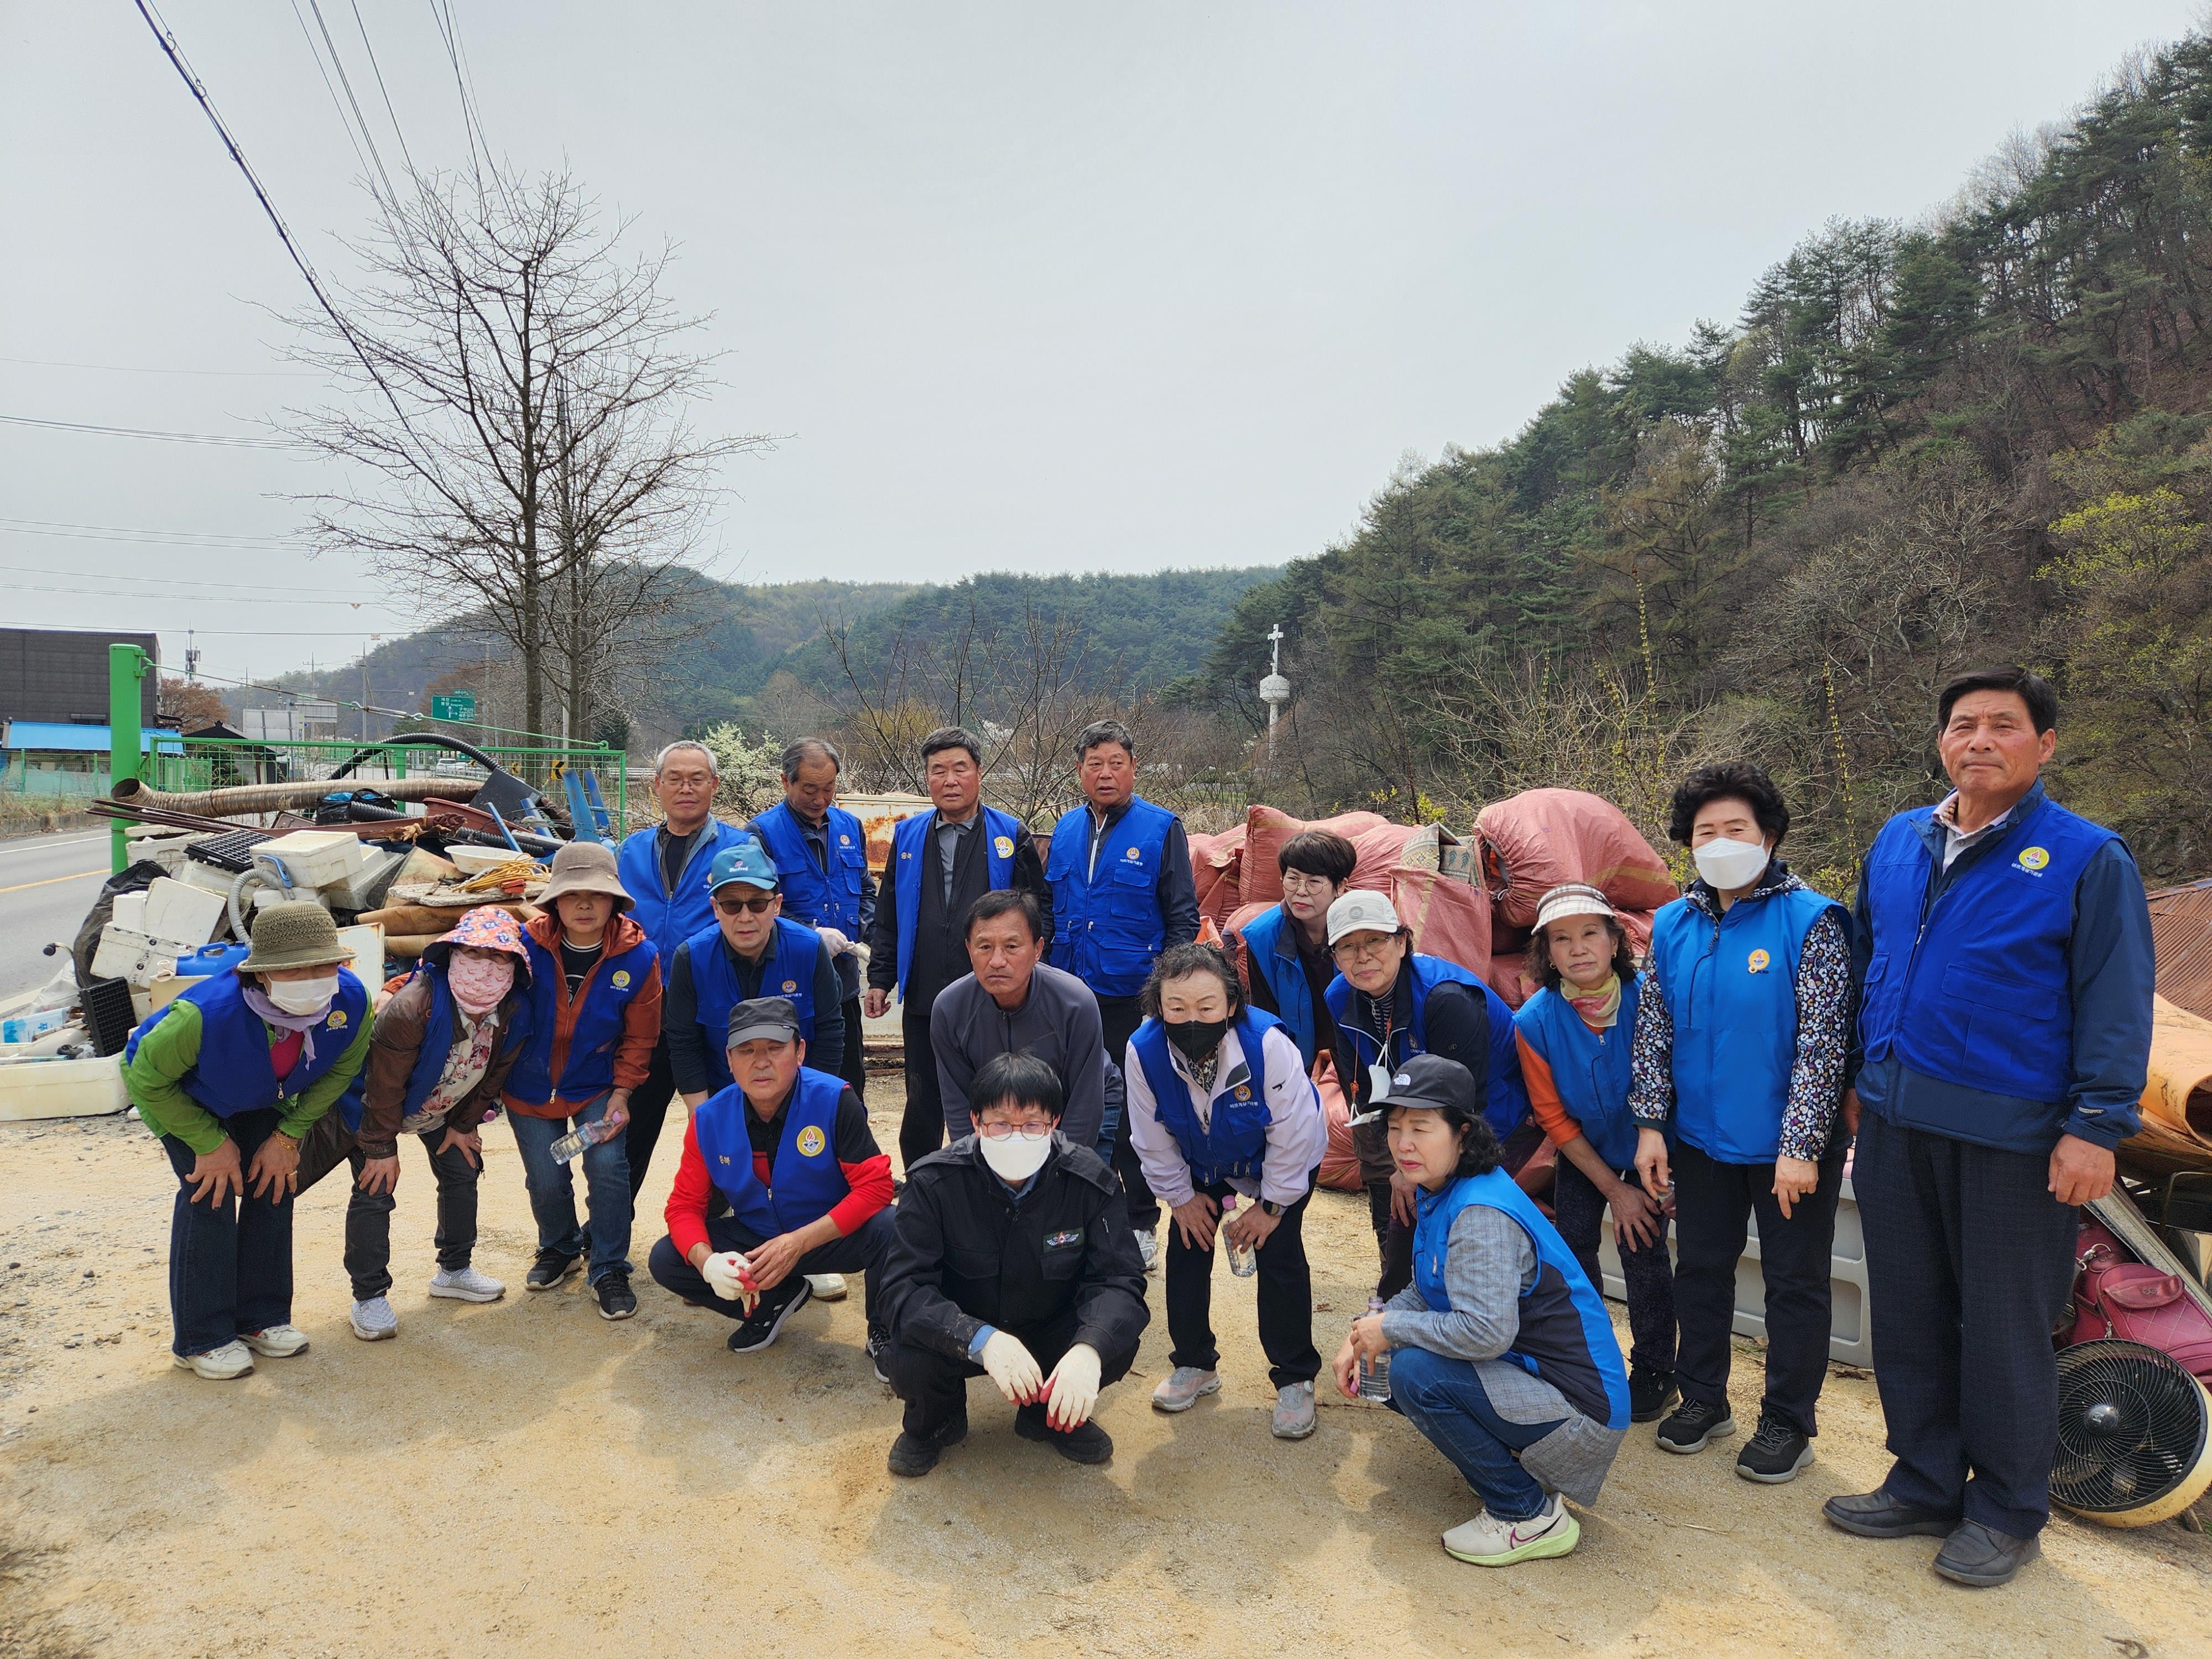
{"x": 230, "y": 1264}
{"x": 1444, "y": 1399}
{"x": 553, "y": 1190}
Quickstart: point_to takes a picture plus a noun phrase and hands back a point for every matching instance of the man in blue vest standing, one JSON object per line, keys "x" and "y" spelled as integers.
{"x": 942, "y": 862}
{"x": 822, "y": 854}
{"x": 664, "y": 869}
{"x": 1121, "y": 893}
{"x": 2005, "y": 1028}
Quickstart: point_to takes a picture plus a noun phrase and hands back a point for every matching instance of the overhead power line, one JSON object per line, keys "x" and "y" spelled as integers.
{"x": 147, "y": 369}
{"x": 225, "y": 438}
{"x": 110, "y": 533}
{"x": 377, "y": 69}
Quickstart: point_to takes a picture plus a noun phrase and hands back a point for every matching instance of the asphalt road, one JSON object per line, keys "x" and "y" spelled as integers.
{"x": 46, "y": 885}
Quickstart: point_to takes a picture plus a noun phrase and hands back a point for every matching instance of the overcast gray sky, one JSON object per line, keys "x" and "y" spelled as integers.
{"x": 1035, "y": 287}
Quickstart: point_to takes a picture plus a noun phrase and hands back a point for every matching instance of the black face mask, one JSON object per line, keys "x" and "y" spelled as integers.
{"x": 1197, "y": 1038}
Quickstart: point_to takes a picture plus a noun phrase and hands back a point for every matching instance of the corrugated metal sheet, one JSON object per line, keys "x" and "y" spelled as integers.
{"x": 2181, "y": 928}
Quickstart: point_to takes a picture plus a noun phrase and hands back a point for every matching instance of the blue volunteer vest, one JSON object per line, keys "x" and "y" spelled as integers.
{"x": 589, "y": 1070}
{"x": 1285, "y": 976}
{"x": 1590, "y": 1067}
{"x": 668, "y": 918}
{"x": 1505, "y": 1097}
{"x": 806, "y": 1180}
{"x": 788, "y": 973}
{"x": 1236, "y": 1142}
{"x": 233, "y": 1073}
{"x": 809, "y": 895}
{"x": 1106, "y": 927}
{"x": 1565, "y": 1336}
{"x": 914, "y": 852}
{"x": 1976, "y": 992}
{"x": 1731, "y": 992}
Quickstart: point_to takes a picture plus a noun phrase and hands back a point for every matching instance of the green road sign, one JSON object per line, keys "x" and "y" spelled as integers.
{"x": 461, "y": 706}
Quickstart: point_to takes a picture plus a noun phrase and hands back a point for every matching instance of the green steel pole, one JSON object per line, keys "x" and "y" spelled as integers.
{"x": 126, "y": 724}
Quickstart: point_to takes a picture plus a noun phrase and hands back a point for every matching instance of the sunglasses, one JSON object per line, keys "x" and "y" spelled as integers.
{"x": 760, "y": 904}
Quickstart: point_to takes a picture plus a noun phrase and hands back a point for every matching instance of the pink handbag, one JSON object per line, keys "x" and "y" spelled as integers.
{"x": 2115, "y": 1296}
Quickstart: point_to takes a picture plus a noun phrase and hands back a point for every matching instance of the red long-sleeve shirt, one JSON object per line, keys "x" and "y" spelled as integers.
{"x": 866, "y": 1169}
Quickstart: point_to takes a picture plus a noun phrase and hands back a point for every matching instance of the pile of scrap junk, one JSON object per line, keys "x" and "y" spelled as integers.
{"x": 395, "y": 861}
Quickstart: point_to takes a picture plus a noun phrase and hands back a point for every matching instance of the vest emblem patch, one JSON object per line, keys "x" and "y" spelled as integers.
{"x": 620, "y": 980}
{"x": 336, "y": 1020}
{"x": 1132, "y": 855}
{"x": 811, "y": 1141}
{"x": 1243, "y": 1091}
{"x": 790, "y": 985}
{"x": 1004, "y": 846}
{"x": 2035, "y": 860}
{"x": 1760, "y": 962}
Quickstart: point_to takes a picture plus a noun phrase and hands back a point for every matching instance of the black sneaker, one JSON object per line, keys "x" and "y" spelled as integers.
{"x": 767, "y": 1321}
{"x": 550, "y": 1269}
{"x": 1086, "y": 1442}
{"x": 1649, "y": 1393}
{"x": 1694, "y": 1424}
{"x": 1775, "y": 1453}
{"x": 879, "y": 1340}
{"x": 915, "y": 1454}
{"x": 617, "y": 1299}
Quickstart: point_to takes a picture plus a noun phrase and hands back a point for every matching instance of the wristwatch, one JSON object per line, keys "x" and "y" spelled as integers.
{"x": 1271, "y": 1206}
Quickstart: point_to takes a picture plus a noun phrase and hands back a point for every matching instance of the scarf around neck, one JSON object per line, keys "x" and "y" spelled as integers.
{"x": 1601, "y": 1008}
{"x": 303, "y": 1024}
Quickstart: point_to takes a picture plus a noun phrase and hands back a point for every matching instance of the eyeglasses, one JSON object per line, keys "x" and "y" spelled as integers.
{"x": 1298, "y": 881}
{"x": 760, "y": 904}
{"x": 1362, "y": 950}
{"x": 1002, "y": 1131}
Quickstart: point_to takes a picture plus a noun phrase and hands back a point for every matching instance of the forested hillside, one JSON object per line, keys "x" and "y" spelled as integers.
{"x": 1916, "y": 447}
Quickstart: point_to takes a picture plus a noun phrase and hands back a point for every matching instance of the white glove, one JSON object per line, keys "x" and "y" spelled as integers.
{"x": 834, "y": 942}
{"x": 1013, "y": 1367}
{"x": 1074, "y": 1388}
{"x": 720, "y": 1272}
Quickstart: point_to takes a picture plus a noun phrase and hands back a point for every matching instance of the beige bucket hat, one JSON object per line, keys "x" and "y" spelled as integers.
{"x": 584, "y": 867}
{"x": 295, "y": 935}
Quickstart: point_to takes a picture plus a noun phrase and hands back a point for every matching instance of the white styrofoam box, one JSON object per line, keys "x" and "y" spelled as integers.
{"x": 119, "y": 952}
{"x": 352, "y": 893}
{"x": 366, "y": 945}
{"x": 205, "y": 877}
{"x": 130, "y": 911}
{"x": 178, "y": 910}
{"x": 61, "y": 1088}
{"x": 265, "y": 896}
{"x": 313, "y": 858}
{"x": 1851, "y": 1339}
{"x": 163, "y": 846}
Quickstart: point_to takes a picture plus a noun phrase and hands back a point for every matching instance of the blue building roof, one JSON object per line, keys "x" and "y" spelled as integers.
{"x": 61, "y": 736}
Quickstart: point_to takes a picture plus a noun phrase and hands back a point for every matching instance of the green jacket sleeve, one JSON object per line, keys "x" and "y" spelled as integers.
{"x": 323, "y": 1093}
{"x": 165, "y": 1053}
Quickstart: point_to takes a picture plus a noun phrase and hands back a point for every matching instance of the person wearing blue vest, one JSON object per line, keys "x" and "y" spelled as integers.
{"x": 1122, "y": 891}
{"x": 821, "y": 851}
{"x": 1500, "y": 1351}
{"x": 443, "y": 1046}
{"x": 941, "y": 863}
{"x": 1389, "y": 1002}
{"x": 1286, "y": 958}
{"x": 1575, "y": 1035}
{"x": 663, "y": 868}
{"x": 803, "y": 1188}
{"x": 1231, "y": 1132}
{"x": 749, "y": 949}
{"x": 2005, "y": 1034}
{"x": 232, "y": 1076}
{"x": 1743, "y": 1025}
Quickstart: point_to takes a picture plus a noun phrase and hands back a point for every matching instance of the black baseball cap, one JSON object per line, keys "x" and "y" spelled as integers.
{"x": 1432, "y": 1080}
{"x": 764, "y": 1016}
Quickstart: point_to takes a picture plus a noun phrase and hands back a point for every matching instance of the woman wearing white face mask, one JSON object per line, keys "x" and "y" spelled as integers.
{"x": 231, "y": 1076}
{"x": 1743, "y": 1028}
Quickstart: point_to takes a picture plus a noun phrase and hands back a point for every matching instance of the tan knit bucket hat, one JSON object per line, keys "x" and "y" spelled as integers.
{"x": 300, "y": 934}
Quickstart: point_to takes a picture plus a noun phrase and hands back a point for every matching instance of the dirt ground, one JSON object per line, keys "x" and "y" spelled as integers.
{"x": 523, "y": 1478}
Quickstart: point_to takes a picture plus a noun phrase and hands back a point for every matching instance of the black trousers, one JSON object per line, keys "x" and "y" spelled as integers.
{"x": 934, "y": 1385}
{"x": 861, "y": 1251}
{"x": 854, "y": 1070}
{"x": 648, "y": 1111}
{"x": 1578, "y": 1210}
{"x": 1969, "y": 1260}
{"x": 368, "y": 1215}
{"x": 1713, "y": 1201}
{"x": 921, "y": 1129}
{"x": 1286, "y": 1298}
{"x": 1121, "y": 1016}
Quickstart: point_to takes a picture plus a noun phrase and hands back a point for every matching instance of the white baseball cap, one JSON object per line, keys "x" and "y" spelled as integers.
{"x": 1572, "y": 898}
{"x": 1361, "y": 911}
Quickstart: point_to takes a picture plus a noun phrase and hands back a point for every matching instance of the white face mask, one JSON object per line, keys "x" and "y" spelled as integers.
{"x": 304, "y": 996}
{"x": 1728, "y": 865}
{"x": 1015, "y": 1158}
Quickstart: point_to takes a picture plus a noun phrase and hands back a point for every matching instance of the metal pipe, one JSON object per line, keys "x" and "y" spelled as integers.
{"x": 275, "y": 796}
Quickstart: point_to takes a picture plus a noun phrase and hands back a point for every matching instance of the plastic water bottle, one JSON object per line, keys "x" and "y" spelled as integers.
{"x": 1243, "y": 1258}
{"x": 1375, "y": 1373}
{"x": 590, "y": 1135}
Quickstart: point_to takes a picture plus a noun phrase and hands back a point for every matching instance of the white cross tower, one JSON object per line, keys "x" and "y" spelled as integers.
{"x": 1274, "y": 690}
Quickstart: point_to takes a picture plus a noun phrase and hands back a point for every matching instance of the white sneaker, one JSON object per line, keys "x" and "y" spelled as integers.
{"x": 1487, "y": 1541}
{"x": 276, "y": 1341}
{"x": 374, "y": 1319}
{"x": 1148, "y": 1247}
{"x": 217, "y": 1365}
{"x": 828, "y": 1287}
{"x": 1184, "y": 1388}
{"x": 466, "y": 1284}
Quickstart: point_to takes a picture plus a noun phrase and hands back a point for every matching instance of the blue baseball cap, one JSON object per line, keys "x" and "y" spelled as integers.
{"x": 747, "y": 862}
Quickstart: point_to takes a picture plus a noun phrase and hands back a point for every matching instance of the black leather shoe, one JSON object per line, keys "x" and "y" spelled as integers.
{"x": 1877, "y": 1514}
{"x": 1983, "y": 1557}
{"x": 1086, "y": 1442}
{"x": 914, "y": 1455}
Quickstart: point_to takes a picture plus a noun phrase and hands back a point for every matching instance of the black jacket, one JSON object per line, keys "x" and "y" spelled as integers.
{"x": 1456, "y": 1022}
{"x": 963, "y": 1256}
{"x": 940, "y": 943}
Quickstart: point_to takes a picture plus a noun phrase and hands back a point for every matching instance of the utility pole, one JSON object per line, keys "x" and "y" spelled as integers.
{"x": 1274, "y": 690}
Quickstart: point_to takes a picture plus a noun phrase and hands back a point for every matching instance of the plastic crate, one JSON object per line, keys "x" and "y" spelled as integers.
{"x": 233, "y": 852}
{"x": 109, "y": 1015}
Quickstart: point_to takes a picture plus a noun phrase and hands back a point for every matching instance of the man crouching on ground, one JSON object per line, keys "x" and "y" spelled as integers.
{"x": 790, "y": 1151}
{"x": 1012, "y": 1258}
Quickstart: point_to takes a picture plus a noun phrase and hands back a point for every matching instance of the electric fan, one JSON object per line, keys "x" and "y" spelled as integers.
{"x": 2135, "y": 1434}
